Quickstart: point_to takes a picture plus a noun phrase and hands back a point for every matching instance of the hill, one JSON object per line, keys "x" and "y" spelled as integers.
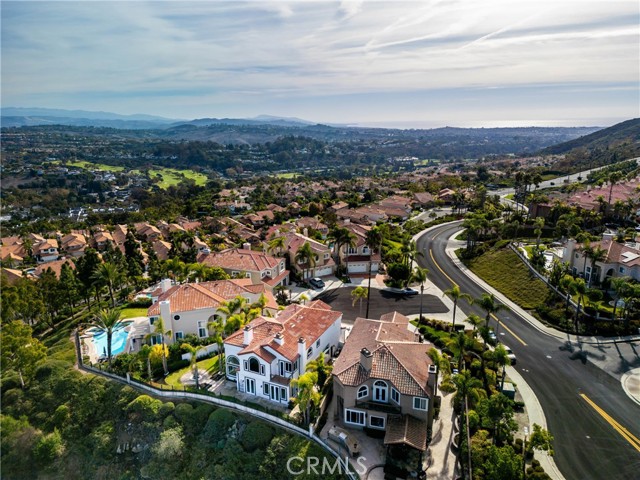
{"x": 619, "y": 133}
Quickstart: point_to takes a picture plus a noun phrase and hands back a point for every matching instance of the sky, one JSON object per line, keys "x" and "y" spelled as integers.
{"x": 418, "y": 64}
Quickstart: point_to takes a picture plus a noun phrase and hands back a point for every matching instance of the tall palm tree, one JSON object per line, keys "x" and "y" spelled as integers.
{"x": 307, "y": 394}
{"x": 340, "y": 237}
{"x": 441, "y": 362}
{"x": 373, "y": 240}
{"x": 597, "y": 255}
{"x": 462, "y": 344}
{"x": 358, "y": 294}
{"x": 539, "y": 224}
{"x": 455, "y": 294}
{"x": 409, "y": 251}
{"x": 488, "y": 303}
{"x": 587, "y": 251}
{"x": 193, "y": 361}
{"x": 501, "y": 358}
{"x": 581, "y": 289}
{"x": 158, "y": 329}
{"x": 216, "y": 328}
{"x": 110, "y": 276}
{"x": 619, "y": 285}
{"x": 467, "y": 386}
{"x": 420, "y": 275}
{"x": 276, "y": 244}
{"x": 613, "y": 178}
{"x": 107, "y": 321}
{"x": 321, "y": 368}
{"x": 306, "y": 256}
{"x": 475, "y": 321}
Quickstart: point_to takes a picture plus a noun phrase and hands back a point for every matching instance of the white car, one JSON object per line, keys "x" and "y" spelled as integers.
{"x": 510, "y": 354}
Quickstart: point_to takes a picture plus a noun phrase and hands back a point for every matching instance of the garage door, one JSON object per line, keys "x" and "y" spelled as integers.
{"x": 324, "y": 271}
{"x": 358, "y": 268}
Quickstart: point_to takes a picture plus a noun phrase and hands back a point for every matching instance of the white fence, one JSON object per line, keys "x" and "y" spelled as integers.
{"x": 203, "y": 352}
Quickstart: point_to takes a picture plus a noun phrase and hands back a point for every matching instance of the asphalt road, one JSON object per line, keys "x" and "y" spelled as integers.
{"x": 587, "y": 444}
{"x": 381, "y": 302}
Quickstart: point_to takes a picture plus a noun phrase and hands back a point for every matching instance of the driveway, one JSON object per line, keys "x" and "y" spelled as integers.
{"x": 381, "y": 302}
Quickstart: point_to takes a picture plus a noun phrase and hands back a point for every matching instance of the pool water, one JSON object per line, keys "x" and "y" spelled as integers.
{"x": 118, "y": 341}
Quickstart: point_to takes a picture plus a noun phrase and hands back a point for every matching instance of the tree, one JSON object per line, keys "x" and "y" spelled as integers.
{"x": 276, "y": 244}
{"x": 488, "y": 303}
{"x": 441, "y": 362}
{"x": 358, "y": 294}
{"x": 321, "y": 369}
{"x": 581, "y": 289}
{"x": 193, "y": 361}
{"x": 475, "y": 321}
{"x": 109, "y": 275}
{"x": 614, "y": 177}
{"x": 461, "y": 344}
{"x": 307, "y": 257}
{"x": 597, "y": 255}
{"x": 467, "y": 386}
{"x": 217, "y": 327}
{"x": 341, "y": 236}
{"x": 541, "y": 439}
{"x": 620, "y": 285}
{"x": 420, "y": 275}
{"x": 373, "y": 240}
{"x": 539, "y": 224}
{"x": 107, "y": 321}
{"x": 497, "y": 415}
{"x": 86, "y": 266}
{"x": 20, "y": 351}
{"x": 70, "y": 285}
{"x": 501, "y": 358}
{"x": 455, "y": 294}
{"x": 307, "y": 394}
{"x": 158, "y": 329}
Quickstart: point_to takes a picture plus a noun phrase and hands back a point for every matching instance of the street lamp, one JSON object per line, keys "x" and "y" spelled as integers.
{"x": 524, "y": 449}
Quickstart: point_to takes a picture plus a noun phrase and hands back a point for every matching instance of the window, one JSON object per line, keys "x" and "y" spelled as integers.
{"x": 152, "y": 320}
{"x": 247, "y": 275}
{"x": 263, "y": 274}
{"x": 309, "y": 352}
{"x": 326, "y": 256}
{"x": 380, "y": 391}
{"x": 179, "y": 335}
{"x": 622, "y": 270}
{"x": 254, "y": 365}
{"x": 376, "y": 422}
{"x": 363, "y": 391}
{"x": 176, "y": 317}
{"x": 318, "y": 344}
{"x": 202, "y": 329}
{"x": 395, "y": 395}
{"x": 419, "y": 403}
{"x": 233, "y": 365}
{"x": 265, "y": 389}
{"x": 354, "y": 416}
{"x": 365, "y": 250}
{"x": 352, "y": 250}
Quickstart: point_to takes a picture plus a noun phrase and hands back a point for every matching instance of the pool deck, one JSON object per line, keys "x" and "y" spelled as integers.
{"x": 138, "y": 327}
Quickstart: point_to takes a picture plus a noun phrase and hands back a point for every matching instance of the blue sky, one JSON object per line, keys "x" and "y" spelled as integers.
{"x": 415, "y": 64}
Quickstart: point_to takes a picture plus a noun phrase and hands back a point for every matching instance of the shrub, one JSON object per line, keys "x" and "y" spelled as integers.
{"x": 257, "y": 435}
{"x": 219, "y": 422}
{"x": 145, "y": 406}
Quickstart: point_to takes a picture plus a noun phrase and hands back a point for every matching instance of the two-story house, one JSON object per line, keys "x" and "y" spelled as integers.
{"x": 188, "y": 308}
{"x": 46, "y": 250}
{"x": 384, "y": 380}
{"x": 74, "y": 244}
{"x": 270, "y": 352}
{"x": 359, "y": 257}
{"x": 247, "y": 263}
{"x": 324, "y": 264}
{"x": 620, "y": 260}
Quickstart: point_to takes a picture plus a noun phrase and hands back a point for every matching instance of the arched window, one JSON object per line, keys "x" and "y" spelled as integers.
{"x": 233, "y": 365}
{"x": 363, "y": 391}
{"x": 380, "y": 391}
{"x": 254, "y": 365}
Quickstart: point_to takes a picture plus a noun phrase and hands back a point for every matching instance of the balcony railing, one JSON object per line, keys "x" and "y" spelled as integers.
{"x": 379, "y": 407}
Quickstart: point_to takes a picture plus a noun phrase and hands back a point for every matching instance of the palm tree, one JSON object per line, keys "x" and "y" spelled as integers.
{"x": 340, "y": 237}
{"x": 539, "y": 224}
{"x": 587, "y": 251}
{"x": 501, "y": 358}
{"x": 107, "y": 321}
{"x": 488, "y": 303}
{"x": 455, "y": 294}
{"x": 217, "y": 328}
{"x": 196, "y": 271}
{"x": 359, "y": 294}
{"x": 303, "y": 298}
{"x": 307, "y": 257}
{"x": 159, "y": 330}
{"x": 321, "y": 369}
{"x": 462, "y": 344}
{"x": 620, "y": 286}
{"x": 597, "y": 255}
{"x": 373, "y": 240}
{"x": 110, "y": 276}
{"x": 193, "y": 361}
{"x": 467, "y": 386}
{"x": 307, "y": 394}
{"x": 474, "y": 320}
{"x": 567, "y": 283}
{"x": 613, "y": 178}
{"x": 441, "y": 362}
{"x": 276, "y": 244}
{"x": 420, "y": 275}
{"x": 581, "y": 289}
{"x": 409, "y": 251}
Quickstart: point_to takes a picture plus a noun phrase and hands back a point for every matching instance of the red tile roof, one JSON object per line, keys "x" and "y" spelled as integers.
{"x": 240, "y": 259}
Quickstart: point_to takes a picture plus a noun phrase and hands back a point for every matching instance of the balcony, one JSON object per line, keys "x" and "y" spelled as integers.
{"x": 378, "y": 407}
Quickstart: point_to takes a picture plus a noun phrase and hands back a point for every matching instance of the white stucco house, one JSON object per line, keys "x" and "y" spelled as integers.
{"x": 264, "y": 357}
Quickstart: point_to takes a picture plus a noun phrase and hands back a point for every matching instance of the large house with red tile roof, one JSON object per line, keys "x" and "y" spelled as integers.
{"x": 73, "y": 244}
{"x": 246, "y": 263}
{"x": 621, "y": 260}
{"x": 384, "y": 380}
{"x": 270, "y": 352}
{"x": 359, "y": 257}
{"x": 324, "y": 266}
{"x": 187, "y": 308}
{"x": 46, "y": 250}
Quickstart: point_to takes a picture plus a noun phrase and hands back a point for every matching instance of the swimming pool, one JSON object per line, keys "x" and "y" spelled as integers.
{"x": 118, "y": 341}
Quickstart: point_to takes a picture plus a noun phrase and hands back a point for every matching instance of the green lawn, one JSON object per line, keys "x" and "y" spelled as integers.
{"x": 503, "y": 270}
{"x": 91, "y": 166}
{"x": 133, "y": 312}
{"x": 209, "y": 364}
{"x": 172, "y": 177}
{"x": 288, "y": 175}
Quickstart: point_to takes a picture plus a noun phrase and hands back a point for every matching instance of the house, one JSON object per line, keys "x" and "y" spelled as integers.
{"x": 11, "y": 275}
{"x": 46, "y": 250}
{"x": 424, "y": 199}
{"x": 161, "y": 249}
{"x": 311, "y": 223}
{"x": 264, "y": 357}
{"x": 621, "y": 260}
{"x": 246, "y": 263}
{"x": 149, "y": 232}
{"x": 260, "y": 218}
{"x": 119, "y": 236}
{"x": 324, "y": 263}
{"x": 359, "y": 258}
{"x": 102, "y": 239}
{"x": 73, "y": 244}
{"x": 13, "y": 254}
{"x": 187, "y": 308}
{"x": 55, "y": 266}
{"x": 384, "y": 380}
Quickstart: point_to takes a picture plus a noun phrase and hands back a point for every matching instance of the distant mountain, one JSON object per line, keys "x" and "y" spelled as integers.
{"x": 59, "y": 113}
{"x": 627, "y": 131}
{"x": 259, "y": 120}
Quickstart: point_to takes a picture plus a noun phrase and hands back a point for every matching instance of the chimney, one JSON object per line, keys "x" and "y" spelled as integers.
{"x": 433, "y": 377}
{"x": 248, "y": 335}
{"x": 279, "y": 338}
{"x": 305, "y": 231}
{"x": 246, "y": 246}
{"x": 165, "y": 284}
{"x": 165, "y": 313}
{"x": 366, "y": 359}
{"x": 302, "y": 352}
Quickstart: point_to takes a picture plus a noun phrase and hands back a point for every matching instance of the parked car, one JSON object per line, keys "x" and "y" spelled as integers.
{"x": 510, "y": 354}
{"x": 316, "y": 282}
{"x": 492, "y": 337}
{"x": 401, "y": 291}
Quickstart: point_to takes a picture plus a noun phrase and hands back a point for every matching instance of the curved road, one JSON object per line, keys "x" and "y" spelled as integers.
{"x": 595, "y": 424}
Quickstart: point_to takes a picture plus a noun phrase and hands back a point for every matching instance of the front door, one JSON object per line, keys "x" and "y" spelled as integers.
{"x": 275, "y": 393}
{"x": 251, "y": 386}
